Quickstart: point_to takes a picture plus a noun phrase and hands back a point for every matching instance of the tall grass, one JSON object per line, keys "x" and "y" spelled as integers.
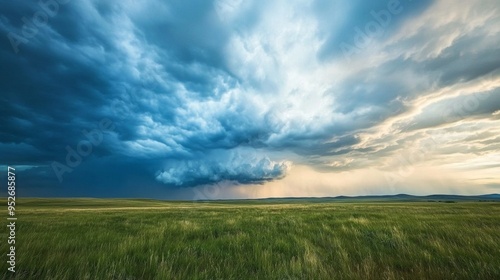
{"x": 125, "y": 239}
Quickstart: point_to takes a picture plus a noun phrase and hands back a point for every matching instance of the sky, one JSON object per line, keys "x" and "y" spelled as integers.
{"x": 249, "y": 99}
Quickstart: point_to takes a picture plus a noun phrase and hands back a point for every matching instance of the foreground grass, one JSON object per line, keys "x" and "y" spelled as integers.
{"x": 141, "y": 239}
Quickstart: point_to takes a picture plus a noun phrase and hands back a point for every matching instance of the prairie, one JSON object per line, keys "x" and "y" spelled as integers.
{"x": 148, "y": 239}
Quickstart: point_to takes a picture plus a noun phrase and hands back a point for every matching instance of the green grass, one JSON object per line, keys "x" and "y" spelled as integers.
{"x": 147, "y": 239}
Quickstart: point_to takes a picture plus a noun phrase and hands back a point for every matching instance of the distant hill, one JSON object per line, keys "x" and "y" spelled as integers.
{"x": 395, "y": 198}
{"x": 495, "y": 196}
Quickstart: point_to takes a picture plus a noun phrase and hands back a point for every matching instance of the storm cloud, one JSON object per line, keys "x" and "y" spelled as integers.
{"x": 240, "y": 92}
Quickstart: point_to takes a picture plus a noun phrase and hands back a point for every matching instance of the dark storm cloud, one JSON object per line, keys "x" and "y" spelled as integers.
{"x": 201, "y": 92}
{"x": 234, "y": 167}
{"x": 76, "y": 71}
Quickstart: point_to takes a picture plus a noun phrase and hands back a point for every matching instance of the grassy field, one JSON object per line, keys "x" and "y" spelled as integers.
{"x": 146, "y": 239}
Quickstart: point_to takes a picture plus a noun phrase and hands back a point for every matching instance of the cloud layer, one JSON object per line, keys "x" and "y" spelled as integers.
{"x": 236, "y": 168}
{"x": 207, "y": 92}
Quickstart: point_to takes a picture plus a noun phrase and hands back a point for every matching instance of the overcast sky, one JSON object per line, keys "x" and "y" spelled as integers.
{"x": 241, "y": 99}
